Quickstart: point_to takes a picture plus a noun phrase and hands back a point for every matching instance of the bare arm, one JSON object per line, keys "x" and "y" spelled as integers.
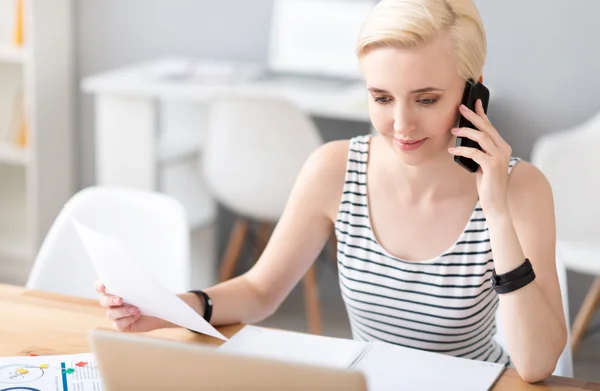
{"x": 520, "y": 214}
{"x": 297, "y": 240}
{"x": 532, "y": 317}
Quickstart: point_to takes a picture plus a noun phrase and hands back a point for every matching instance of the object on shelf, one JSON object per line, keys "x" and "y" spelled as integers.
{"x": 18, "y": 133}
{"x": 18, "y": 36}
{"x": 22, "y": 132}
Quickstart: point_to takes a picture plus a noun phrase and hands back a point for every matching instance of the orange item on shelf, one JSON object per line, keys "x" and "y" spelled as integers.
{"x": 23, "y": 133}
{"x": 18, "y": 30}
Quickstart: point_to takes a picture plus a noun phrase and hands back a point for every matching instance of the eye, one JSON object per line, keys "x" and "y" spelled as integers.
{"x": 427, "y": 102}
{"x": 381, "y": 99}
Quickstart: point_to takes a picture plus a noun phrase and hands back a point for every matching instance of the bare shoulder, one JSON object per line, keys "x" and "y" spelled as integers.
{"x": 331, "y": 158}
{"x": 531, "y": 202}
{"x": 527, "y": 184}
{"x": 325, "y": 171}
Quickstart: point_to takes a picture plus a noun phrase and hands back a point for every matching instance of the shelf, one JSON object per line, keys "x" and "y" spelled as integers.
{"x": 35, "y": 180}
{"x": 13, "y": 54}
{"x": 12, "y": 154}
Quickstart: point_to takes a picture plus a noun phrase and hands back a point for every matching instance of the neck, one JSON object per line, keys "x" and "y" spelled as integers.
{"x": 438, "y": 179}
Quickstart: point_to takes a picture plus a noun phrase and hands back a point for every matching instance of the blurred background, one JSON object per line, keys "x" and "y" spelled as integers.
{"x": 113, "y": 92}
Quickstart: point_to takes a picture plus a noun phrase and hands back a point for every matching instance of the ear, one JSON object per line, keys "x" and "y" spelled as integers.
{"x": 481, "y": 79}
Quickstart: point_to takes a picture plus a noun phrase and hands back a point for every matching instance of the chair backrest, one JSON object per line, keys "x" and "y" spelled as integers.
{"x": 254, "y": 151}
{"x": 571, "y": 162}
{"x": 153, "y": 227}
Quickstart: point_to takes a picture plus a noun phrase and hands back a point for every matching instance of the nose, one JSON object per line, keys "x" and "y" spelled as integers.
{"x": 403, "y": 119}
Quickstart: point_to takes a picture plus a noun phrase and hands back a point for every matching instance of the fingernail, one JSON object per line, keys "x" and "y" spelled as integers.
{"x": 451, "y": 149}
{"x": 116, "y": 301}
{"x": 463, "y": 107}
{"x": 132, "y": 310}
{"x": 454, "y": 130}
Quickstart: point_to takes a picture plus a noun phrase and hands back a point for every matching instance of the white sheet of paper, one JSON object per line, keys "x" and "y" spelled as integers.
{"x": 48, "y": 373}
{"x": 293, "y": 346}
{"x": 391, "y": 367}
{"x": 123, "y": 278}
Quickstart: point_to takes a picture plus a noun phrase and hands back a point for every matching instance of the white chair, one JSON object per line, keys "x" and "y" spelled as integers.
{"x": 254, "y": 151}
{"x": 570, "y": 161}
{"x": 152, "y": 226}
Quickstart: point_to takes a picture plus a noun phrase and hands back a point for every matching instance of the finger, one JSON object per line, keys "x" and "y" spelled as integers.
{"x": 478, "y": 156}
{"x": 480, "y": 123}
{"x": 100, "y": 288}
{"x": 481, "y": 138}
{"x": 481, "y": 112}
{"x": 124, "y": 324}
{"x": 495, "y": 136}
{"x": 121, "y": 312}
{"x": 110, "y": 301}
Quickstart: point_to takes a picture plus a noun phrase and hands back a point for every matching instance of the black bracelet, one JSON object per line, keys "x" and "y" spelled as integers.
{"x": 516, "y": 284}
{"x": 514, "y": 279}
{"x": 208, "y": 306}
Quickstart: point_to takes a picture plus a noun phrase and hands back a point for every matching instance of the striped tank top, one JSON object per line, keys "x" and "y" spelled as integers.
{"x": 443, "y": 305}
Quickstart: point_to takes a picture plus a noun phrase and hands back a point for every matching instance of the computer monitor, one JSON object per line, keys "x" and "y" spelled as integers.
{"x": 316, "y": 37}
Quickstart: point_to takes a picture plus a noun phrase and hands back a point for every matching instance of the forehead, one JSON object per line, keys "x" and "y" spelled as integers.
{"x": 399, "y": 69}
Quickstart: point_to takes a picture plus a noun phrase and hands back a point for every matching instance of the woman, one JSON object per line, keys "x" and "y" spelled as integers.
{"x": 419, "y": 237}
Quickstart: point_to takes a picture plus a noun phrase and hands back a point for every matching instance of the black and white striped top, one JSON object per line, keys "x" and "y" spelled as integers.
{"x": 443, "y": 305}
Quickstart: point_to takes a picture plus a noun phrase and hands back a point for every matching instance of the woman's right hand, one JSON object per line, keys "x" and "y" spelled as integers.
{"x": 125, "y": 317}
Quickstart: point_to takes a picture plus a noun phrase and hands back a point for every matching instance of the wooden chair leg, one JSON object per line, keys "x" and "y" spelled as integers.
{"x": 262, "y": 238}
{"x": 585, "y": 314}
{"x": 311, "y": 300}
{"x": 234, "y": 247}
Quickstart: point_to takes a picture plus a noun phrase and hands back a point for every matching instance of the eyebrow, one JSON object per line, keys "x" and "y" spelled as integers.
{"x": 417, "y": 91}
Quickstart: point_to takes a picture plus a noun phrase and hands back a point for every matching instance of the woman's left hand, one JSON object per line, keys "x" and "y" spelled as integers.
{"x": 492, "y": 176}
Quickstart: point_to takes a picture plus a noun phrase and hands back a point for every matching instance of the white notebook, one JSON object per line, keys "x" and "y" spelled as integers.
{"x": 386, "y": 366}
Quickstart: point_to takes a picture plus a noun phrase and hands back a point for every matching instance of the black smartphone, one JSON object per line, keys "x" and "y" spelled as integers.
{"x": 473, "y": 91}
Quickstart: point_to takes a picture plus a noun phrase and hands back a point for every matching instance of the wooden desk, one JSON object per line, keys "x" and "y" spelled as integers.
{"x": 43, "y": 323}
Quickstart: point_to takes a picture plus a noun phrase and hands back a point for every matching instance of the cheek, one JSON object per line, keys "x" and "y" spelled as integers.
{"x": 443, "y": 121}
{"x": 382, "y": 118}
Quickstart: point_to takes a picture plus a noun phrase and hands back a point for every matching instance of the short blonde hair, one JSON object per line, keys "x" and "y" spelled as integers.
{"x": 406, "y": 23}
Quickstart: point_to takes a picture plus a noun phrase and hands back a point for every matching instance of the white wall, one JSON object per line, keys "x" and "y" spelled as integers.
{"x": 543, "y": 66}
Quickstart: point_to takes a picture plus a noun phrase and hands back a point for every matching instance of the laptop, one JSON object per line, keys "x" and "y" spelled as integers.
{"x": 140, "y": 362}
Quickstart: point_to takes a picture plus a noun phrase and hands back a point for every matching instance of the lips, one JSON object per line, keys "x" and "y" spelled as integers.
{"x": 409, "y": 142}
{"x": 409, "y": 145}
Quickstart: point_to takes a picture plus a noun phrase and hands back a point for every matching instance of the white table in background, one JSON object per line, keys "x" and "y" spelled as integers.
{"x": 150, "y": 120}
